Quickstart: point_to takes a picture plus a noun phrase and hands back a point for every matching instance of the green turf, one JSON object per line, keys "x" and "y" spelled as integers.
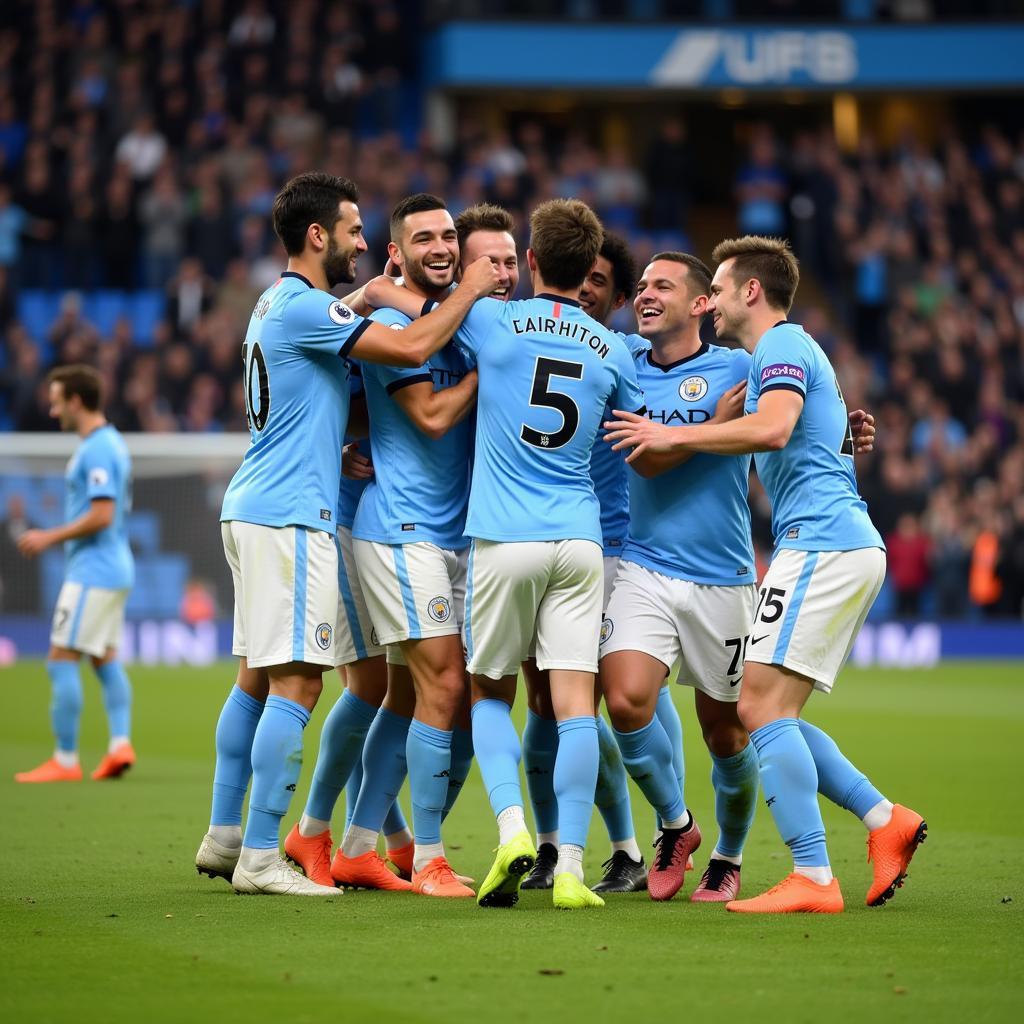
{"x": 103, "y": 918}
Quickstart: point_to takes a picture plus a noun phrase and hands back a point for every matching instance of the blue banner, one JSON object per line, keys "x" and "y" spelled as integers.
{"x": 557, "y": 55}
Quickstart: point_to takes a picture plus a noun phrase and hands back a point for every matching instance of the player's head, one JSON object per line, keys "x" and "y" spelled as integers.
{"x": 424, "y": 244}
{"x": 753, "y": 272}
{"x": 610, "y": 281}
{"x": 74, "y": 391}
{"x": 672, "y": 294}
{"x": 565, "y": 238}
{"x": 486, "y": 230}
{"x": 316, "y": 214}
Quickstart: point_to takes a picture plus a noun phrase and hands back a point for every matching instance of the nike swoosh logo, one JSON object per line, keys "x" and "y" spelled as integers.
{"x": 734, "y": 682}
{"x": 758, "y": 639}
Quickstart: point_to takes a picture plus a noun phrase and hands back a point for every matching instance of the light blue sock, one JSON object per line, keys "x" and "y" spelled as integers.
{"x": 576, "y": 778}
{"x": 429, "y": 753}
{"x": 612, "y": 793}
{"x": 355, "y": 780}
{"x": 790, "y": 785}
{"x": 384, "y": 769}
{"x": 341, "y": 746}
{"x": 497, "y": 752}
{"x": 117, "y": 697}
{"x": 647, "y": 755}
{"x": 540, "y": 747}
{"x": 276, "y": 765}
{"x": 462, "y": 761}
{"x": 668, "y": 715}
{"x": 394, "y": 820}
{"x": 735, "y": 781}
{"x": 838, "y": 779}
{"x": 235, "y": 730}
{"x": 65, "y": 703}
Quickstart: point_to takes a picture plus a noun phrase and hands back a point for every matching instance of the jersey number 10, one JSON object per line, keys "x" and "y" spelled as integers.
{"x": 256, "y": 367}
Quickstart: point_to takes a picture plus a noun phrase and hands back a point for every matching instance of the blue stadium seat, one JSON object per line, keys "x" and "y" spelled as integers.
{"x": 147, "y": 310}
{"x": 37, "y": 309}
{"x": 144, "y": 532}
{"x": 159, "y": 586}
{"x": 103, "y": 308}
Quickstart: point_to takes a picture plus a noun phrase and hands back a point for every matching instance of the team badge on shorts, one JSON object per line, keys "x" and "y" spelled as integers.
{"x": 607, "y": 628}
{"x": 439, "y": 609}
{"x": 693, "y": 389}
{"x": 324, "y": 633}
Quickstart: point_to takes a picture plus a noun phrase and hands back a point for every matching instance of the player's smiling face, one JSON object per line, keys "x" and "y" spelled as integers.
{"x": 500, "y": 248}
{"x": 726, "y": 306}
{"x": 598, "y": 296}
{"x": 345, "y": 244}
{"x": 429, "y": 250}
{"x": 662, "y": 303}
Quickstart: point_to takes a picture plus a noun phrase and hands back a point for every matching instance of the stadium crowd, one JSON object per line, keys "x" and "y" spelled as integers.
{"x": 143, "y": 147}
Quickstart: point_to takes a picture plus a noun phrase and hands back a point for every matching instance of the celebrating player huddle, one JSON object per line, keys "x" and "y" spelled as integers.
{"x": 541, "y": 494}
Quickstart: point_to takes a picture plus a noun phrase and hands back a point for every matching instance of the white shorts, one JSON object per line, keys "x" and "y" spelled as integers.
{"x": 88, "y": 619}
{"x": 812, "y": 605}
{"x": 354, "y": 636}
{"x": 550, "y": 590}
{"x": 704, "y": 627}
{"x": 413, "y": 591}
{"x": 286, "y": 593}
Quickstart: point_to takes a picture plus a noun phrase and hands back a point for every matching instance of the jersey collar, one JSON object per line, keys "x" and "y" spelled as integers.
{"x": 779, "y": 324}
{"x": 665, "y": 367}
{"x": 557, "y": 298}
{"x": 293, "y": 273}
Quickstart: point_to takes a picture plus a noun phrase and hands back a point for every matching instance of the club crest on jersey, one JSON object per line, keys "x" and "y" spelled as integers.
{"x": 324, "y": 633}
{"x": 340, "y": 313}
{"x": 439, "y": 609}
{"x": 693, "y": 389}
{"x": 607, "y": 628}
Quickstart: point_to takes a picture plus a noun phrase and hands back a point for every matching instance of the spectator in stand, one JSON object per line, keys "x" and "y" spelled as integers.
{"x": 190, "y": 294}
{"x": 908, "y": 553}
{"x": 761, "y": 188}
{"x": 143, "y": 149}
{"x": 163, "y": 217}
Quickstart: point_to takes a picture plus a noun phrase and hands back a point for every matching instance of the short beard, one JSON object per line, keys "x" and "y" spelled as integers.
{"x": 337, "y": 265}
{"x": 414, "y": 273}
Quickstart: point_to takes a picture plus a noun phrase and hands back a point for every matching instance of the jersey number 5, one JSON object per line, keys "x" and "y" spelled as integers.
{"x": 256, "y": 367}
{"x": 542, "y": 395}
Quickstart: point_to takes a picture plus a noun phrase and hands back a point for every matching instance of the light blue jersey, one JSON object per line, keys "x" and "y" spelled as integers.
{"x": 611, "y": 477}
{"x": 692, "y": 522}
{"x": 350, "y": 491}
{"x": 100, "y": 468}
{"x": 297, "y": 400}
{"x": 547, "y": 373}
{"x": 420, "y": 486}
{"x": 811, "y": 483}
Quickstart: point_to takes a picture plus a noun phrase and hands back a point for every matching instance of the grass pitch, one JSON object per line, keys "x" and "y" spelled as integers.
{"x": 103, "y": 918}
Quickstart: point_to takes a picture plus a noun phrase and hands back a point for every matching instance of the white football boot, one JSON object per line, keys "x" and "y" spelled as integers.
{"x": 277, "y": 878}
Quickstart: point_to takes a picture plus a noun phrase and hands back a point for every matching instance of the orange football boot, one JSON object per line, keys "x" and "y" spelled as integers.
{"x": 367, "y": 871}
{"x": 115, "y": 764}
{"x": 438, "y": 879}
{"x": 311, "y": 853}
{"x": 402, "y": 857}
{"x": 795, "y": 894}
{"x": 889, "y": 851}
{"x": 51, "y": 771}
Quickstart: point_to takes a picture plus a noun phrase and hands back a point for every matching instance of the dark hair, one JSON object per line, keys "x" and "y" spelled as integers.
{"x": 483, "y": 217}
{"x": 420, "y": 202}
{"x": 311, "y": 198}
{"x": 769, "y": 260}
{"x": 79, "y": 379}
{"x": 615, "y": 250}
{"x": 565, "y": 236}
{"x": 698, "y": 271}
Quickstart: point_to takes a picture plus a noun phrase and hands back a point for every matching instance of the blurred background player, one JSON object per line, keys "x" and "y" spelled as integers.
{"x": 279, "y": 540}
{"x": 98, "y": 574}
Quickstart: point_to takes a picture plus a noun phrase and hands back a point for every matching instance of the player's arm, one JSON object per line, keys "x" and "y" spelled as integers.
{"x": 99, "y": 517}
{"x": 427, "y": 335}
{"x": 768, "y": 429}
{"x": 728, "y": 407}
{"x": 435, "y": 412}
{"x": 382, "y": 293}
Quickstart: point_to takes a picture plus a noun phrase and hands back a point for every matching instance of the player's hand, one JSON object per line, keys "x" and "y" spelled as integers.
{"x": 630, "y": 430}
{"x": 481, "y": 277}
{"x": 862, "y": 425}
{"x": 34, "y": 542}
{"x": 730, "y": 405}
{"x": 354, "y": 465}
{"x": 378, "y": 290}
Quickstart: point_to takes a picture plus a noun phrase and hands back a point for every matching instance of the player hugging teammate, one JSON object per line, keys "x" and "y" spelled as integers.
{"x": 502, "y": 529}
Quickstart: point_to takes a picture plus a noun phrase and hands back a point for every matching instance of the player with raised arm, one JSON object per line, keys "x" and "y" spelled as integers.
{"x": 98, "y": 574}
{"x": 410, "y": 550}
{"x": 827, "y": 569}
{"x": 278, "y": 516}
